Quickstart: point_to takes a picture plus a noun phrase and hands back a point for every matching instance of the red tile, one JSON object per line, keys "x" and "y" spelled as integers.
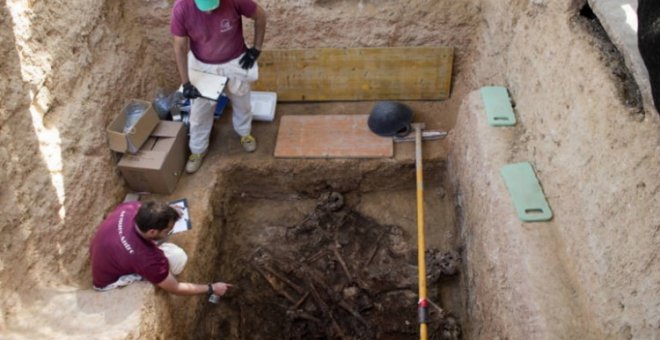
{"x": 330, "y": 136}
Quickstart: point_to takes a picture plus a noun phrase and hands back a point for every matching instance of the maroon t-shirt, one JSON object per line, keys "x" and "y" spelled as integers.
{"x": 117, "y": 249}
{"x": 215, "y": 37}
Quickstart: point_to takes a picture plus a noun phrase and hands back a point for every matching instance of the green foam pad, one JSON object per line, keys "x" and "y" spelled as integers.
{"x": 498, "y": 106}
{"x": 526, "y": 192}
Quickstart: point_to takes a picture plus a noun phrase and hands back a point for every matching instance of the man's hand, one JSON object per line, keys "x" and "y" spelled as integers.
{"x": 249, "y": 58}
{"x": 220, "y": 288}
{"x": 190, "y": 91}
{"x": 173, "y": 286}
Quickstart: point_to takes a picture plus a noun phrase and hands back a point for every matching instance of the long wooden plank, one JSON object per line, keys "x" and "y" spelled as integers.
{"x": 331, "y": 74}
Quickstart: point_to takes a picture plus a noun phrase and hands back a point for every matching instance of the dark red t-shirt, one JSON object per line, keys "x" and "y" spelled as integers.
{"x": 117, "y": 249}
{"x": 215, "y": 37}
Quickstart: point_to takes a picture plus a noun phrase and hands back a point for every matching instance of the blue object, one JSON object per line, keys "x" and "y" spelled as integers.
{"x": 220, "y": 107}
{"x": 182, "y": 114}
{"x": 526, "y": 192}
{"x": 184, "y": 105}
{"x": 498, "y": 106}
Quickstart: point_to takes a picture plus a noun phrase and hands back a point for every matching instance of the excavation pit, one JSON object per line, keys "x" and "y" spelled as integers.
{"x": 331, "y": 253}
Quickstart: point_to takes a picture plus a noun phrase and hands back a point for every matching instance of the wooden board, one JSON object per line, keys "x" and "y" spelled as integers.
{"x": 331, "y": 74}
{"x": 330, "y": 136}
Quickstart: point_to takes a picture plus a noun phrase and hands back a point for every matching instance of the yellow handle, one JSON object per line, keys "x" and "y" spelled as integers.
{"x": 421, "y": 243}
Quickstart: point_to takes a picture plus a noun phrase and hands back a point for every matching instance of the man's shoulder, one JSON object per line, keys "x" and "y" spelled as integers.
{"x": 183, "y": 2}
{"x": 245, "y": 7}
{"x": 126, "y": 205}
{"x": 181, "y": 7}
{"x": 121, "y": 212}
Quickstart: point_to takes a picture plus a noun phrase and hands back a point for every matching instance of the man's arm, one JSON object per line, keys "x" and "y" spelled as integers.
{"x": 181, "y": 49}
{"x": 173, "y": 286}
{"x": 259, "y": 27}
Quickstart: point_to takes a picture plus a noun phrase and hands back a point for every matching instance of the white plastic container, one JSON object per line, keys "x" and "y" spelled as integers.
{"x": 263, "y": 105}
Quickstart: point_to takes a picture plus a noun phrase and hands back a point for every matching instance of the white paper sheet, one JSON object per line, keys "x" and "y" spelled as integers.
{"x": 209, "y": 85}
{"x": 183, "y": 224}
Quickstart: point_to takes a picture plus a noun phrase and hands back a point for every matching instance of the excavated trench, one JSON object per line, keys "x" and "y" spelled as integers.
{"x": 332, "y": 253}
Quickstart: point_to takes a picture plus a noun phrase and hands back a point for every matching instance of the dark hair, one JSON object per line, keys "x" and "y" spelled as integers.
{"x": 155, "y": 215}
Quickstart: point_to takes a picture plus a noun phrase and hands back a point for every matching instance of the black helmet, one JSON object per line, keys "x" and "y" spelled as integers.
{"x": 389, "y": 119}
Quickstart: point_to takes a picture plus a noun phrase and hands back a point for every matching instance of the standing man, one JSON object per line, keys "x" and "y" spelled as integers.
{"x": 212, "y": 31}
{"x": 129, "y": 246}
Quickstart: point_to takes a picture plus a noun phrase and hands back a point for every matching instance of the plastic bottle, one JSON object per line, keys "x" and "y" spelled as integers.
{"x": 133, "y": 113}
{"x": 220, "y": 106}
{"x": 214, "y": 299}
{"x": 163, "y": 104}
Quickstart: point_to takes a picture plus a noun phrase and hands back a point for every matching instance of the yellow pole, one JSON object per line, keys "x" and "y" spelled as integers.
{"x": 422, "y": 307}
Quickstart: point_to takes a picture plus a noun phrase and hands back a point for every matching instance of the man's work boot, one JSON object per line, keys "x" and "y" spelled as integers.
{"x": 249, "y": 143}
{"x": 194, "y": 162}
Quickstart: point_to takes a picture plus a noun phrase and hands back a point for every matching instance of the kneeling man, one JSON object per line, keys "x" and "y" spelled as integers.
{"x": 130, "y": 246}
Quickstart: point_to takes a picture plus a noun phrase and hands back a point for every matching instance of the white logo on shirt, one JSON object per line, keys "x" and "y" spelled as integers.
{"x": 122, "y": 237}
{"x": 225, "y": 25}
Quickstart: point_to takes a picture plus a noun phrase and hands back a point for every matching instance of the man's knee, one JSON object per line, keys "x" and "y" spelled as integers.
{"x": 176, "y": 256}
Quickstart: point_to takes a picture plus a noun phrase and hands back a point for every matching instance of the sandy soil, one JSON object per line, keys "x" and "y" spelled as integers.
{"x": 592, "y": 272}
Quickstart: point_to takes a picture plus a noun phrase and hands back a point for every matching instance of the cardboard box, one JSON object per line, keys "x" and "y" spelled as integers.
{"x": 157, "y": 167}
{"x": 133, "y": 140}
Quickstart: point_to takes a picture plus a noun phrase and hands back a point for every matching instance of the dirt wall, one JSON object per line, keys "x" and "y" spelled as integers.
{"x": 68, "y": 67}
{"x": 592, "y": 271}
